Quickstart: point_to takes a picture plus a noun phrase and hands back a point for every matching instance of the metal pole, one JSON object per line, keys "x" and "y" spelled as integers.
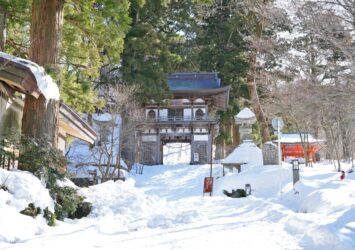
{"x": 211, "y": 158}
{"x": 211, "y": 154}
{"x": 279, "y": 140}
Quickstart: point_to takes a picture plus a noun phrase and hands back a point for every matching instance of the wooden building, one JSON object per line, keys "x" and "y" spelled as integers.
{"x": 17, "y": 78}
{"x": 291, "y": 146}
{"x": 189, "y": 117}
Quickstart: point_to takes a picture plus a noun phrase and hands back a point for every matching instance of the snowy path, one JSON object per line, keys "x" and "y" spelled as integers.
{"x": 183, "y": 219}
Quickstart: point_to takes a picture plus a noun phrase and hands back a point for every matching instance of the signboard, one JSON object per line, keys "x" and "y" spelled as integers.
{"x": 208, "y": 185}
{"x": 277, "y": 123}
{"x": 196, "y": 158}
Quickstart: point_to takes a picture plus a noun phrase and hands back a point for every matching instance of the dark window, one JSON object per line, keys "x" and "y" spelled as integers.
{"x": 151, "y": 114}
{"x": 199, "y": 114}
{"x": 175, "y": 112}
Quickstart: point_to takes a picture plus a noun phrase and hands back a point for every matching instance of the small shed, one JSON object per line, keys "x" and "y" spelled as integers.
{"x": 247, "y": 154}
{"x": 291, "y": 146}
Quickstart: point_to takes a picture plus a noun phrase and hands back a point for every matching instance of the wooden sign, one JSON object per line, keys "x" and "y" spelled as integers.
{"x": 208, "y": 185}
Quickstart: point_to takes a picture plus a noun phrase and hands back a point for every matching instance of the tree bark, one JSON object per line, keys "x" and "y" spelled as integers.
{"x": 255, "y": 101}
{"x": 40, "y": 115}
{"x": 252, "y": 88}
{"x": 3, "y": 15}
{"x": 46, "y": 25}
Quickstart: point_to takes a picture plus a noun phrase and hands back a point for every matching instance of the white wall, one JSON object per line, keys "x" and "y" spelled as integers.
{"x": 149, "y": 138}
{"x": 200, "y": 137}
{"x": 187, "y": 112}
{"x": 163, "y": 113}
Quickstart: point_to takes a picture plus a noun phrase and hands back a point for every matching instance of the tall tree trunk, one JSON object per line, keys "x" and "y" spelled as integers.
{"x": 46, "y": 25}
{"x": 255, "y": 101}
{"x": 251, "y": 83}
{"x": 40, "y": 115}
{"x": 235, "y": 135}
{"x": 3, "y": 15}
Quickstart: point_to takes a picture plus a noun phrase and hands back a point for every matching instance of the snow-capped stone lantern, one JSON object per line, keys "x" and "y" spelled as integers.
{"x": 245, "y": 119}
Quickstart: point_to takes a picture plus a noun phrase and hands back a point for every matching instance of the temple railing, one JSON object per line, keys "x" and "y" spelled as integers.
{"x": 183, "y": 119}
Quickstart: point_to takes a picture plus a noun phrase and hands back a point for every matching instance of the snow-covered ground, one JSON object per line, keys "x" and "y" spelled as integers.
{"x": 164, "y": 209}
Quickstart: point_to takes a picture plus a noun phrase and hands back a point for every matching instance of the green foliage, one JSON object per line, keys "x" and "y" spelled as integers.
{"x": 256, "y": 135}
{"x": 93, "y": 35}
{"x": 83, "y": 209}
{"x": 219, "y": 46}
{"x": 155, "y": 46}
{"x": 18, "y": 29}
{"x": 49, "y": 216}
{"x": 80, "y": 96}
{"x": 238, "y": 193}
{"x": 67, "y": 202}
{"x": 46, "y": 162}
{"x": 31, "y": 210}
{"x": 41, "y": 159}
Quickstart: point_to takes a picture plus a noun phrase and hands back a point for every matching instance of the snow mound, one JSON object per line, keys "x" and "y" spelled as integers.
{"x": 121, "y": 207}
{"x": 246, "y": 153}
{"x": 15, "y": 227}
{"x": 265, "y": 181}
{"x": 23, "y": 188}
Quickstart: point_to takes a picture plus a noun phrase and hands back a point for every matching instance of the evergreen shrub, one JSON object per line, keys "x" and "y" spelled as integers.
{"x": 238, "y": 193}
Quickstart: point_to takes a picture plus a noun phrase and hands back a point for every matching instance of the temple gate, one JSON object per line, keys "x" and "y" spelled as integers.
{"x": 189, "y": 117}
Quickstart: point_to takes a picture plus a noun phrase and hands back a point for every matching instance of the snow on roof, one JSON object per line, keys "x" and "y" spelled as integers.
{"x": 245, "y": 153}
{"x": 295, "y": 138}
{"x": 45, "y": 83}
{"x": 246, "y": 113}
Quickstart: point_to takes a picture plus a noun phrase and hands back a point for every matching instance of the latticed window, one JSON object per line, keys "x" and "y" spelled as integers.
{"x": 199, "y": 114}
{"x": 151, "y": 114}
{"x": 175, "y": 112}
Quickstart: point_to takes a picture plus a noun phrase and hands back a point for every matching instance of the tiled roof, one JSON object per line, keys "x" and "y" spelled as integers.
{"x": 194, "y": 81}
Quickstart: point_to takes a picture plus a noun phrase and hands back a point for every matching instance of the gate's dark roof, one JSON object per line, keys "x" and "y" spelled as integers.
{"x": 194, "y": 81}
{"x": 200, "y": 84}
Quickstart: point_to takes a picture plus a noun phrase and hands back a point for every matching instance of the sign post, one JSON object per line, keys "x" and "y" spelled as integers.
{"x": 208, "y": 185}
{"x": 295, "y": 171}
{"x": 278, "y": 124}
{"x": 208, "y": 181}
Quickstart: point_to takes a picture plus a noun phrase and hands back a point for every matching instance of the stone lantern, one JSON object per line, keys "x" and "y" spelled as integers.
{"x": 245, "y": 119}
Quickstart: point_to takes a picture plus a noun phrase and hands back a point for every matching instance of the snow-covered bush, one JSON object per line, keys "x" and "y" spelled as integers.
{"x": 238, "y": 193}
{"x": 41, "y": 159}
{"x": 68, "y": 203}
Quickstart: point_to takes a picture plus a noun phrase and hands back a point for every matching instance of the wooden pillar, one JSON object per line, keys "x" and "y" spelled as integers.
{"x": 158, "y": 153}
{"x": 192, "y": 109}
{"x": 158, "y": 113}
{"x": 192, "y": 148}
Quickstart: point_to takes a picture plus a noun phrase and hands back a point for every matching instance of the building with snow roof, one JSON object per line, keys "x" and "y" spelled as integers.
{"x": 189, "y": 117}
{"x": 291, "y": 146}
{"x": 20, "y": 77}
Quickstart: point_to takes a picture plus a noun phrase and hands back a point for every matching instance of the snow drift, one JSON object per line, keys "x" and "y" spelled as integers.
{"x": 23, "y": 188}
